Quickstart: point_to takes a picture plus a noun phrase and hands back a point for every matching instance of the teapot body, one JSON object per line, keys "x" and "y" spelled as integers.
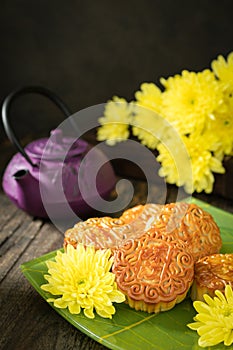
{"x": 31, "y": 187}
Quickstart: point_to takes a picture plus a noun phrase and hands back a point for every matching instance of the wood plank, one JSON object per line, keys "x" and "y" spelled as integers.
{"x": 13, "y": 248}
{"x": 10, "y": 226}
{"x": 7, "y": 210}
{"x": 27, "y": 321}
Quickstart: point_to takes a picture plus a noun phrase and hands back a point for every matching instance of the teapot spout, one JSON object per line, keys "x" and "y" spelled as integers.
{"x": 27, "y": 192}
{"x": 26, "y": 181}
{"x": 21, "y": 175}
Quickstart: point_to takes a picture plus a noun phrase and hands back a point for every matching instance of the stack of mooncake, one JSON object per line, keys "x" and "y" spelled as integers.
{"x": 160, "y": 252}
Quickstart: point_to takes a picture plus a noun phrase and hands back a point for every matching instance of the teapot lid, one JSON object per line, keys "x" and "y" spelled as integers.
{"x": 56, "y": 146}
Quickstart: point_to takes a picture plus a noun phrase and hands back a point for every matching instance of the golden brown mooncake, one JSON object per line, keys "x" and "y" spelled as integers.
{"x": 183, "y": 220}
{"x": 192, "y": 224}
{"x": 212, "y": 273}
{"x": 107, "y": 232}
{"x": 154, "y": 274}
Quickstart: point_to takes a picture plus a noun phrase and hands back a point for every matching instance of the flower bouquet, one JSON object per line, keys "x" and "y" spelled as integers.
{"x": 198, "y": 106}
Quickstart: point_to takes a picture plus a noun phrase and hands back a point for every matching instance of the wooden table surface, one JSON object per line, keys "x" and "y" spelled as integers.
{"x": 27, "y": 321}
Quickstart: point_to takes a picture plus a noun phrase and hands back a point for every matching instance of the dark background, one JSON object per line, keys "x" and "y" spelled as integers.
{"x": 88, "y": 51}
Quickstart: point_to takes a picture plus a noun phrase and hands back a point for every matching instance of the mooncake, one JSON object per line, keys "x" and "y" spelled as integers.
{"x": 191, "y": 224}
{"x": 108, "y": 232}
{"x": 212, "y": 273}
{"x": 154, "y": 274}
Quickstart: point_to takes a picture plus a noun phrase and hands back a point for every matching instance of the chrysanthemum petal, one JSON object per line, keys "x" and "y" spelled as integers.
{"x": 106, "y": 312}
{"x": 60, "y": 303}
{"x": 208, "y": 300}
{"x": 195, "y": 325}
{"x": 206, "y": 328}
{"x": 201, "y": 307}
{"x": 228, "y": 339}
{"x": 204, "y": 317}
{"x": 229, "y": 293}
{"x": 117, "y": 296}
{"x": 89, "y": 313}
{"x": 74, "y": 308}
{"x": 220, "y": 296}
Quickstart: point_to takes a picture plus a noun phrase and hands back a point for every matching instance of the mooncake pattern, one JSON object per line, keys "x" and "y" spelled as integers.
{"x": 154, "y": 274}
{"x": 192, "y": 224}
{"x": 211, "y": 273}
{"x": 107, "y": 232}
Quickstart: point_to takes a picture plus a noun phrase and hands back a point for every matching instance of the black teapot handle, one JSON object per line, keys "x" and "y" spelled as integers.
{"x": 22, "y": 91}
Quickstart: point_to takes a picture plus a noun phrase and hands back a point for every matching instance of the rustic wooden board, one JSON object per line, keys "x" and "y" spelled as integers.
{"x": 27, "y": 322}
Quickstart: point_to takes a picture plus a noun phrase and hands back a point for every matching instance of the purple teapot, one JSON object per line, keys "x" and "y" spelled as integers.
{"x": 35, "y": 175}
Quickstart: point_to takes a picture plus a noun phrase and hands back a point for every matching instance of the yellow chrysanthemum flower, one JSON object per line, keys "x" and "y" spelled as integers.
{"x": 115, "y": 122}
{"x": 150, "y": 97}
{"x": 113, "y": 133}
{"x": 148, "y": 126}
{"x": 198, "y": 106}
{"x": 81, "y": 279}
{"x": 202, "y": 161}
{"x": 214, "y": 321}
{"x": 169, "y": 169}
{"x": 147, "y": 109}
{"x": 223, "y": 69}
{"x": 221, "y": 130}
{"x": 190, "y": 100}
{"x": 204, "y": 164}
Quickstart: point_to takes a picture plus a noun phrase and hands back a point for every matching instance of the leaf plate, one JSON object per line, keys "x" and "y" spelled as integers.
{"x": 135, "y": 330}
